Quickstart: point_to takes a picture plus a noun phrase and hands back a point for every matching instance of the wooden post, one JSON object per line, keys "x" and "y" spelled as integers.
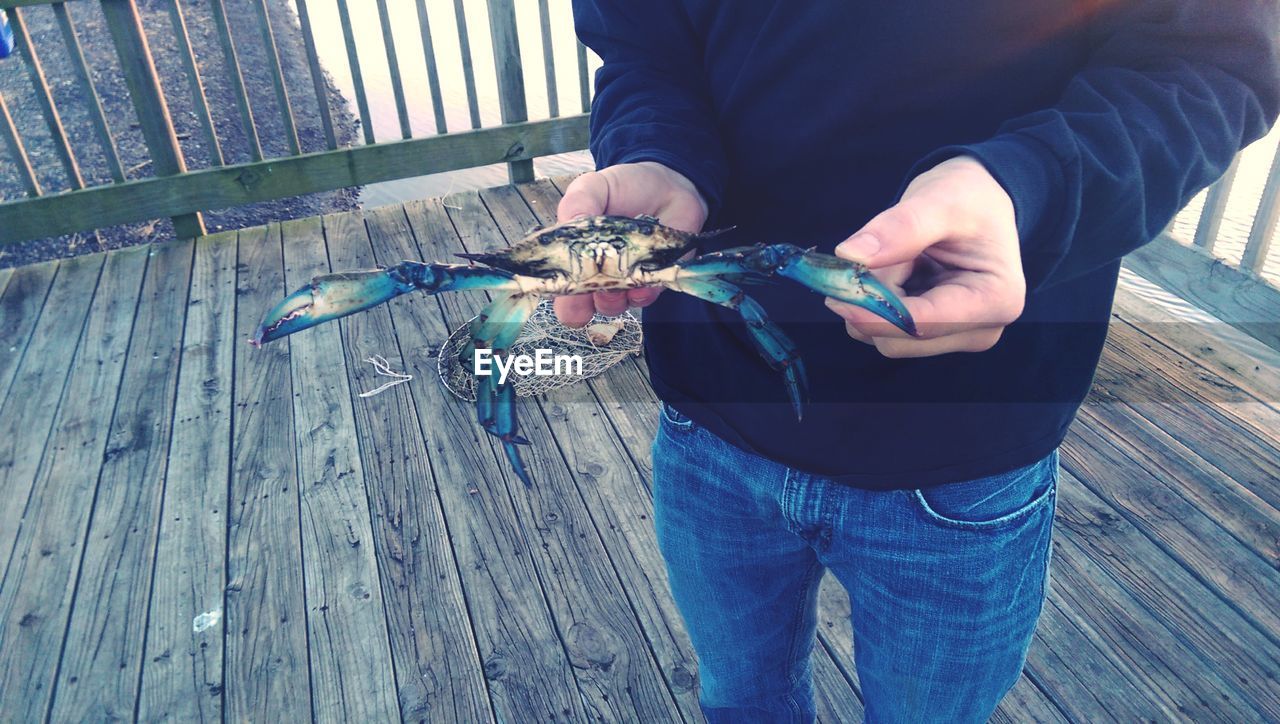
{"x": 1215, "y": 207}
{"x": 148, "y": 100}
{"x": 506, "y": 60}
{"x": 44, "y": 97}
{"x": 1259, "y": 244}
{"x": 14, "y": 141}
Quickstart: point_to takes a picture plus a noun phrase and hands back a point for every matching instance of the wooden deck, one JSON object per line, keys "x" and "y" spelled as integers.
{"x": 193, "y": 529}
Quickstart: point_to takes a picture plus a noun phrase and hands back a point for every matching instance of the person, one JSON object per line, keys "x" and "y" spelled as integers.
{"x": 993, "y": 160}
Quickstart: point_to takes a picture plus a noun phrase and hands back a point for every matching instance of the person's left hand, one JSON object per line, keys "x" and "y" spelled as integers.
{"x": 950, "y": 248}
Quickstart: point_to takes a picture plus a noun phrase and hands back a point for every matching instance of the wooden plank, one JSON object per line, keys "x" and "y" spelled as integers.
{"x": 611, "y": 661}
{"x": 393, "y": 68}
{"x": 19, "y": 152}
{"x": 1167, "y": 671}
{"x": 125, "y": 26}
{"x": 1195, "y": 407}
{"x": 418, "y": 431}
{"x": 239, "y": 184}
{"x": 318, "y": 79}
{"x": 80, "y": 68}
{"x": 1101, "y": 543}
{"x": 433, "y": 73}
{"x": 37, "y": 384}
{"x": 239, "y": 92}
{"x": 1242, "y": 360}
{"x": 1259, "y": 245}
{"x": 1239, "y": 299}
{"x": 506, "y": 61}
{"x": 277, "y": 77}
{"x": 617, "y": 501}
{"x": 584, "y": 80}
{"x": 1081, "y": 679}
{"x": 266, "y": 639}
{"x": 182, "y": 667}
{"x": 40, "y": 583}
{"x": 20, "y": 306}
{"x": 468, "y": 73}
{"x": 1215, "y": 208}
{"x": 1235, "y": 573}
{"x": 351, "y": 670}
{"x": 102, "y": 658}
{"x": 357, "y": 77}
{"x": 1252, "y": 522}
{"x": 548, "y": 57}
{"x": 49, "y": 111}
{"x": 195, "y": 86}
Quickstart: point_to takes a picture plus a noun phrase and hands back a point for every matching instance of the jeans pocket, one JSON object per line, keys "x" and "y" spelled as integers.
{"x": 674, "y": 420}
{"x": 992, "y": 502}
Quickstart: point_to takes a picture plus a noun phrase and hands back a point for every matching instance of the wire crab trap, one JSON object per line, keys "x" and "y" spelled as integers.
{"x": 601, "y": 344}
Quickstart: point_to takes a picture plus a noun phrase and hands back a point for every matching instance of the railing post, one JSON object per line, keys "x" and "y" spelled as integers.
{"x": 1215, "y": 208}
{"x": 139, "y": 68}
{"x": 506, "y": 59}
{"x": 1259, "y": 244}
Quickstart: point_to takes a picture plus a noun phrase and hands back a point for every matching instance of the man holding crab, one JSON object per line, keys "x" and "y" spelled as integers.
{"x": 993, "y": 160}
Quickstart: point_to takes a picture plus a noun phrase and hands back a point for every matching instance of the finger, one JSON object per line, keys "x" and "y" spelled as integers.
{"x": 574, "y": 310}
{"x": 896, "y": 235}
{"x": 588, "y": 195}
{"x": 643, "y": 297}
{"x": 611, "y": 304}
{"x": 951, "y": 308}
{"x": 857, "y": 334}
{"x": 977, "y": 340}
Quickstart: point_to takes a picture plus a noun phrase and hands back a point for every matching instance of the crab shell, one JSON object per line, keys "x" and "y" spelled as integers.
{"x": 595, "y": 253}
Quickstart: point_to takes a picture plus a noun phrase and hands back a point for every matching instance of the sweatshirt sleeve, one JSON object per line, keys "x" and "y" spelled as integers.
{"x": 651, "y": 101}
{"x": 1172, "y": 90}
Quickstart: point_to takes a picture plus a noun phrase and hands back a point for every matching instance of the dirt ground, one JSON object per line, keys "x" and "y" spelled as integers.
{"x": 17, "y": 88}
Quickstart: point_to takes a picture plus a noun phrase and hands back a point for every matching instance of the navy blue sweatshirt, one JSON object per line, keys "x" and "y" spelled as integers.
{"x": 799, "y": 121}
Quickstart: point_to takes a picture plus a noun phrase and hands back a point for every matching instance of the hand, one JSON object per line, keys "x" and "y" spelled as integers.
{"x": 952, "y": 243}
{"x": 628, "y": 189}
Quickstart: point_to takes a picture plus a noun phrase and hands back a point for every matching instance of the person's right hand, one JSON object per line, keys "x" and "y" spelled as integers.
{"x": 628, "y": 189}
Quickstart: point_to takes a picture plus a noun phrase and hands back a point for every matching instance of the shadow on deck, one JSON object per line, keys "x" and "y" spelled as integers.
{"x": 196, "y": 530}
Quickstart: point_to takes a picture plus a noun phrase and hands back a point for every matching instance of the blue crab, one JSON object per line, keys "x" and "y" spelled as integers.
{"x": 599, "y": 253}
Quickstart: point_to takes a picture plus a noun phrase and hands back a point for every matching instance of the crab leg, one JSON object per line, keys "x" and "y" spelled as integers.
{"x": 823, "y": 273}
{"x": 496, "y": 328}
{"x": 331, "y": 296}
{"x": 774, "y": 346}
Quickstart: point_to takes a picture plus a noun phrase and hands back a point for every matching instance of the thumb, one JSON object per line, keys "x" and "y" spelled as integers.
{"x": 899, "y": 234}
{"x": 587, "y": 195}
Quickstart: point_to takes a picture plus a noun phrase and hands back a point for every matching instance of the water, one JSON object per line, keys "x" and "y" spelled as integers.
{"x": 1242, "y": 204}
{"x": 407, "y": 36}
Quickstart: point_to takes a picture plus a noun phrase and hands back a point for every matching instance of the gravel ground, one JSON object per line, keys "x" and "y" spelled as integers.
{"x": 16, "y": 85}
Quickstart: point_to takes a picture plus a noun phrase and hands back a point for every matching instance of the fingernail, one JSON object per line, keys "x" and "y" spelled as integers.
{"x": 863, "y": 246}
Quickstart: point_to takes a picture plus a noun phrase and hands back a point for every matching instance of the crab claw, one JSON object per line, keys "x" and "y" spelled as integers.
{"x": 847, "y": 281}
{"x": 327, "y": 298}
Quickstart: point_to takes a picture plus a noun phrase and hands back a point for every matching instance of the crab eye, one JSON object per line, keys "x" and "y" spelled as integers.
{"x": 646, "y": 229}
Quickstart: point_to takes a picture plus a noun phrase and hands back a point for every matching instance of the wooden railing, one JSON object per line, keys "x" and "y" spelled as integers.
{"x": 1239, "y": 287}
{"x": 174, "y": 190}
{"x": 1234, "y": 289}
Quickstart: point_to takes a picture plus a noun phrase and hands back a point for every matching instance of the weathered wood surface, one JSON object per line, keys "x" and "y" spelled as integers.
{"x": 39, "y": 588}
{"x": 266, "y": 666}
{"x": 102, "y": 659}
{"x": 244, "y": 183}
{"x": 182, "y": 668}
{"x": 197, "y": 530}
{"x": 351, "y": 671}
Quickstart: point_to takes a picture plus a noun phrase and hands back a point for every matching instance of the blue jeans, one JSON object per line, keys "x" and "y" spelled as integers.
{"x": 945, "y": 583}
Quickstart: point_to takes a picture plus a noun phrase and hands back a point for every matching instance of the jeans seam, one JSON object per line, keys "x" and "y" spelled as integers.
{"x": 793, "y": 654}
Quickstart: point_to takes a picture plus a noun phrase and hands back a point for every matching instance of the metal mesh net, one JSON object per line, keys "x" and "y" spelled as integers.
{"x": 601, "y": 344}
